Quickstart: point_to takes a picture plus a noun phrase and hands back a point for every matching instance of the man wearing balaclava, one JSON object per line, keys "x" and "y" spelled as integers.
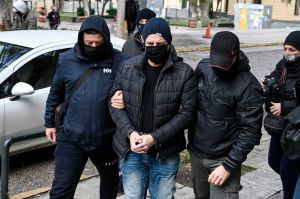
{"x": 24, "y": 18}
{"x": 160, "y": 98}
{"x": 281, "y": 101}
{"x": 135, "y": 45}
{"x": 228, "y": 120}
{"x": 54, "y": 18}
{"x": 87, "y": 128}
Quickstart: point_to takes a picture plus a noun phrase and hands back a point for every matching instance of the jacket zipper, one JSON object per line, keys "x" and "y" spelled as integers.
{"x": 141, "y": 101}
{"x": 156, "y": 86}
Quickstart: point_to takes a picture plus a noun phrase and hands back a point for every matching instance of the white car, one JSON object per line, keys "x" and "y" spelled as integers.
{"x": 27, "y": 64}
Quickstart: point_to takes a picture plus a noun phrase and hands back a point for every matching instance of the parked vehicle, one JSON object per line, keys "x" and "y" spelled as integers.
{"x": 27, "y": 65}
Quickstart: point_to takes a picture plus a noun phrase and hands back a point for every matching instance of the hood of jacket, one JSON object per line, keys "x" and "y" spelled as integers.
{"x": 93, "y": 23}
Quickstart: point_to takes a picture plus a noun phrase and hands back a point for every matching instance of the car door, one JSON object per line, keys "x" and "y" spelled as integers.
{"x": 25, "y": 115}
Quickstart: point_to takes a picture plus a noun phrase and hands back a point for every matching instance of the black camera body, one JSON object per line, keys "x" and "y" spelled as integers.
{"x": 272, "y": 89}
{"x": 274, "y": 92}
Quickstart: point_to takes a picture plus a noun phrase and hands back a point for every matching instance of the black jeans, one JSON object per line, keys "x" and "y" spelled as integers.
{"x": 284, "y": 166}
{"x": 70, "y": 160}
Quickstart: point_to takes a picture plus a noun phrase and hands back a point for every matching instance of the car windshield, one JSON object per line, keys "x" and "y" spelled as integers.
{"x": 9, "y": 53}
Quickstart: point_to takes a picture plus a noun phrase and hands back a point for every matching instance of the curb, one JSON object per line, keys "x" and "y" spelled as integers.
{"x": 182, "y": 50}
{"x": 34, "y": 192}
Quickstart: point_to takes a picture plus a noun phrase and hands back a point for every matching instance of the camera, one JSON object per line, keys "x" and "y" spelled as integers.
{"x": 272, "y": 89}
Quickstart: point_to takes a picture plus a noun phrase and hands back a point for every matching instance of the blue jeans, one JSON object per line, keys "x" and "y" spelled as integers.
{"x": 141, "y": 170}
{"x": 297, "y": 189}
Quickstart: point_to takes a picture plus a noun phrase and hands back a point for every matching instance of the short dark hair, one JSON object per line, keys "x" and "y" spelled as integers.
{"x": 91, "y": 32}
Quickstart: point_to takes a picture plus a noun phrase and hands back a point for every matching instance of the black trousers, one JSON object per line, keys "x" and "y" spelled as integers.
{"x": 70, "y": 161}
{"x": 284, "y": 166}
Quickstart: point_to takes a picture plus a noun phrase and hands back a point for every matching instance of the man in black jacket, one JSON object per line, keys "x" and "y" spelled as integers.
{"x": 228, "y": 121}
{"x": 87, "y": 129}
{"x": 160, "y": 97}
{"x": 135, "y": 44}
{"x": 54, "y": 18}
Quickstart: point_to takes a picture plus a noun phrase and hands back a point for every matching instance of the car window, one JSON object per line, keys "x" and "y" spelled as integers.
{"x": 9, "y": 53}
{"x": 38, "y": 73}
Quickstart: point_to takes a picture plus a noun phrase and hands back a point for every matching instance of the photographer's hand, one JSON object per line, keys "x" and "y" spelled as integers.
{"x": 275, "y": 108}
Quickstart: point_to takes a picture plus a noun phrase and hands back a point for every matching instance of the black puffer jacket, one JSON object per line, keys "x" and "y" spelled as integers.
{"x": 229, "y": 114}
{"x": 174, "y": 104}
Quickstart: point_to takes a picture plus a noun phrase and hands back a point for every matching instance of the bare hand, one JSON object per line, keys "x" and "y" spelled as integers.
{"x": 275, "y": 108}
{"x": 218, "y": 176}
{"x": 117, "y": 100}
{"x": 145, "y": 143}
{"x": 51, "y": 134}
{"x": 135, "y": 139}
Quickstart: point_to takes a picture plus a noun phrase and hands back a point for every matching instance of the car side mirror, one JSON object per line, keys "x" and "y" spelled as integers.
{"x": 20, "y": 89}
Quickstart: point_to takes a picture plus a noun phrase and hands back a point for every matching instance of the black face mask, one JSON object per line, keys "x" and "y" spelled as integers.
{"x": 157, "y": 54}
{"x": 95, "y": 53}
{"x": 18, "y": 13}
{"x": 225, "y": 74}
{"x": 140, "y": 28}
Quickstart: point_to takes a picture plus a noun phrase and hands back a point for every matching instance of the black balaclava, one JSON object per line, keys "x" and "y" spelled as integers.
{"x": 98, "y": 25}
{"x": 144, "y": 14}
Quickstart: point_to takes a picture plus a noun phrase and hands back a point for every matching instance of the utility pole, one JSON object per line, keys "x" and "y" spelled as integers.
{"x": 2, "y": 16}
{"x": 5, "y": 14}
{"x": 120, "y": 18}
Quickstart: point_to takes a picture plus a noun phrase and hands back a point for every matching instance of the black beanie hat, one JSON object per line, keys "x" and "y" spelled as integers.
{"x": 158, "y": 26}
{"x": 293, "y": 39}
{"x": 145, "y": 14}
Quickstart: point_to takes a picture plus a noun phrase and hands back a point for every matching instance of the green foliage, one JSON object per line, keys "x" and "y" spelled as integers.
{"x": 112, "y": 12}
{"x": 185, "y": 157}
{"x": 247, "y": 169}
{"x": 92, "y": 11}
{"x": 178, "y": 22}
{"x": 67, "y": 14}
{"x": 80, "y": 11}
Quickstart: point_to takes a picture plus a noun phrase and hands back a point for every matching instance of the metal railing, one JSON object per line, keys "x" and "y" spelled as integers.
{"x": 5, "y": 158}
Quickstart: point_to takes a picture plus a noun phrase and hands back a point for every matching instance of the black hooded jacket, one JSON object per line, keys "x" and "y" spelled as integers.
{"x": 87, "y": 121}
{"x": 229, "y": 114}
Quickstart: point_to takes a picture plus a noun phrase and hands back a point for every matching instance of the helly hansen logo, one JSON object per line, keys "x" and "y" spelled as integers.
{"x": 106, "y": 70}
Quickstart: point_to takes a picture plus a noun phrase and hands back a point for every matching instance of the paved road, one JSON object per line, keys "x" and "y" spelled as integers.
{"x": 35, "y": 170}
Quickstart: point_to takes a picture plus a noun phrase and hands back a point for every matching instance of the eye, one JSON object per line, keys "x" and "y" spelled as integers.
{"x": 88, "y": 43}
{"x": 150, "y": 43}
